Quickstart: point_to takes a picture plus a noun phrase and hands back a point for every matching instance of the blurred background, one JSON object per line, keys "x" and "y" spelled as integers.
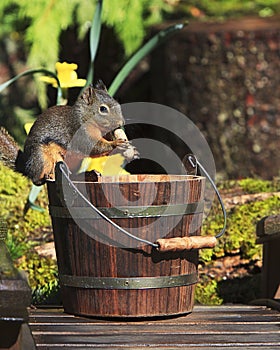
{"x": 222, "y": 70}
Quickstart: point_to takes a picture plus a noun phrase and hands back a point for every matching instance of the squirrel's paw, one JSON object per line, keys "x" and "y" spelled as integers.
{"x": 128, "y": 151}
{"x": 124, "y": 146}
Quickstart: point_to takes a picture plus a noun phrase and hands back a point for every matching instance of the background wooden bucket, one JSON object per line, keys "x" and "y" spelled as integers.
{"x": 108, "y": 280}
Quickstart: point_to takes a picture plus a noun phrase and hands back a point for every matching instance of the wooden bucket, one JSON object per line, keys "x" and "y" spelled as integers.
{"x": 101, "y": 278}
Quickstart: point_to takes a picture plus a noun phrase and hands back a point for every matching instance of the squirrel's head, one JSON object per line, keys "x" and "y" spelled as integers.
{"x": 97, "y": 106}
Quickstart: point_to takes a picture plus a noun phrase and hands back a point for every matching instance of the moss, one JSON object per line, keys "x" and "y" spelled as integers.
{"x": 239, "y": 238}
{"x": 42, "y": 276}
{"x": 240, "y": 235}
{"x": 250, "y": 185}
{"x": 206, "y": 293}
{"x": 26, "y": 232}
{"x": 258, "y": 185}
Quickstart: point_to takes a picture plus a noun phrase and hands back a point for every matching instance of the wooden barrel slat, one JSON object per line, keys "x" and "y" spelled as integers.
{"x": 79, "y": 254}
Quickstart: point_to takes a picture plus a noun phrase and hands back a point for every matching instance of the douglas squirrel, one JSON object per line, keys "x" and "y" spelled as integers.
{"x": 64, "y": 132}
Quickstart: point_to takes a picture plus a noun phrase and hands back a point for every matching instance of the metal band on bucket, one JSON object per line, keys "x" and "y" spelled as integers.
{"x": 128, "y": 212}
{"x": 128, "y": 283}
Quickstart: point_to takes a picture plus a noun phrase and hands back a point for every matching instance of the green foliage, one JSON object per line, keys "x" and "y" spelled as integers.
{"x": 206, "y": 293}
{"x": 221, "y": 9}
{"x": 42, "y": 276}
{"x": 14, "y": 190}
{"x": 16, "y": 249}
{"x": 258, "y": 185}
{"x": 26, "y": 232}
{"x": 240, "y": 235}
{"x": 41, "y": 23}
{"x": 239, "y": 238}
{"x": 131, "y": 18}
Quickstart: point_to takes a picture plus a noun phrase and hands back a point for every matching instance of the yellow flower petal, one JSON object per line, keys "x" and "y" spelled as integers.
{"x": 27, "y": 127}
{"x": 49, "y": 80}
{"x": 65, "y": 66}
{"x": 74, "y": 83}
{"x": 67, "y": 76}
{"x": 107, "y": 165}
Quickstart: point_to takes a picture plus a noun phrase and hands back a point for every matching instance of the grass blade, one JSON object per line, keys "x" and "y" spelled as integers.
{"x": 94, "y": 39}
{"x": 154, "y": 42}
{"x": 31, "y": 72}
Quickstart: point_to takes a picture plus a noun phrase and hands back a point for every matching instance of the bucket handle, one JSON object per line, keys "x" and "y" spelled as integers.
{"x": 164, "y": 244}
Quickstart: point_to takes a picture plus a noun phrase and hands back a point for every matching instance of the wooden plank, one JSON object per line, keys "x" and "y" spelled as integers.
{"x": 222, "y": 327}
{"x": 162, "y": 340}
{"x": 256, "y": 327}
{"x": 200, "y": 314}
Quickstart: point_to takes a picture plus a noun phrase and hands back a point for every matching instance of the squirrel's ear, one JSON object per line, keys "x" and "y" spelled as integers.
{"x": 88, "y": 95}
{"x": 100, "y": 85}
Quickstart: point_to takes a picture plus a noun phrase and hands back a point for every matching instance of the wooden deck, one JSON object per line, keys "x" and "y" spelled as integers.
{"x": 222, "y": 327}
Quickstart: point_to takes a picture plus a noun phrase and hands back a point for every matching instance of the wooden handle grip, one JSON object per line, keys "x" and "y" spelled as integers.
{"x": 186, "y": 243}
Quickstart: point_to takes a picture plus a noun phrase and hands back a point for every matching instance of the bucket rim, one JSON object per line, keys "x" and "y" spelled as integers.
{"x": 143, "y": 178}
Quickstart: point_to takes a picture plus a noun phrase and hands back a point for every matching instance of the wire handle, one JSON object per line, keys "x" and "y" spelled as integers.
{"x": 190, "y": 159}
{"x": 65, "y": 171}
{"x": 177, "y": 243}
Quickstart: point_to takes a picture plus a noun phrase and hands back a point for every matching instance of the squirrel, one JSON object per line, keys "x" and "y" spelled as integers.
{"x": 62, "y": 131}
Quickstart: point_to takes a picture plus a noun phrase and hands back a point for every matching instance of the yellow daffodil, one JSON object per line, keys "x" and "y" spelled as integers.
{"x": 106, "y": 165}
{"x": 67, "y": 76}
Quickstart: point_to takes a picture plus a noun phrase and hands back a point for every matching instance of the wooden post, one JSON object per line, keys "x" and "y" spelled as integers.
{"x": 268, "y": 232}
{"x": 15, "y": 297}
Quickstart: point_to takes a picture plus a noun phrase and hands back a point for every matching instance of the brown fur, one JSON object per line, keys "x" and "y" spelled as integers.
{"x": 8, "y": 148}
{"x": 51, "y": 154}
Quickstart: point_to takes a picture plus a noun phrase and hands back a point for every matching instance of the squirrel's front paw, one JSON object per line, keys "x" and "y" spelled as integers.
{"x": 128, "y": 151}
{"x": 124, "y": 146}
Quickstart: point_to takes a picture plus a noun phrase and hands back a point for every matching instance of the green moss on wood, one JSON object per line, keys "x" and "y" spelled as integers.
{"x": 27, "y": 232}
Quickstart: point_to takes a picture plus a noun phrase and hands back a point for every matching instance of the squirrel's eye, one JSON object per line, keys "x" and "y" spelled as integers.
{"x": 103, "y": 109}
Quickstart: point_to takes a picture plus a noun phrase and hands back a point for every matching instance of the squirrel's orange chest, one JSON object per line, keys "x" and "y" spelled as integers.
{"x": 51, "y": 154}
{"x": 93, "y": 131}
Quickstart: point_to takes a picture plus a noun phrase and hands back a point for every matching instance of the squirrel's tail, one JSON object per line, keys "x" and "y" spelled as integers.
{"x": 10, "y": 152}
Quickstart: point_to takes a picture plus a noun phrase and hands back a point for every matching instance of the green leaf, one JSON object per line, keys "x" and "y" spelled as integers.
{"x": 30, "y": 202}
{"x": 31, "y": 72}
{"x": 94, "y": 39}
{"x": 154, "y": 42}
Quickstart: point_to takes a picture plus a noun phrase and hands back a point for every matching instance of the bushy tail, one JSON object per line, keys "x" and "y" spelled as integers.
{"x": 10, "y": 153}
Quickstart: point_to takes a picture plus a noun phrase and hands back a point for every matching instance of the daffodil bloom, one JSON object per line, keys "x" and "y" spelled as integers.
{"x": 27, "y": 127}
{"x": 106, "y": 165}
{"x": 67, "y": 76}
